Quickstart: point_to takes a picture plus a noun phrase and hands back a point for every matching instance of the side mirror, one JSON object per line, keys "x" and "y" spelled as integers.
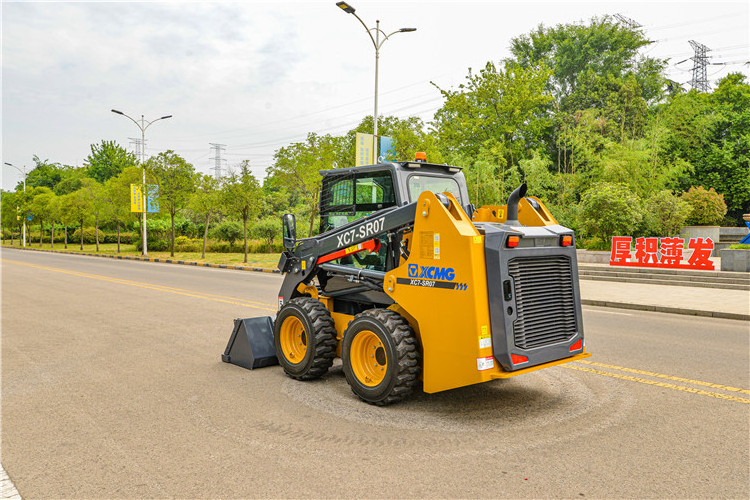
{"x": 289, "y": 224}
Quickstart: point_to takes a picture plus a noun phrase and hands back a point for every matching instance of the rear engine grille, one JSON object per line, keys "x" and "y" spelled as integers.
{"x": 545, "y": 302}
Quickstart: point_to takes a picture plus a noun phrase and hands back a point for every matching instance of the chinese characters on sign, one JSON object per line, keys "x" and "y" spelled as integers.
{"x": 662, "y": 252}
{"x": 152, "y": 200}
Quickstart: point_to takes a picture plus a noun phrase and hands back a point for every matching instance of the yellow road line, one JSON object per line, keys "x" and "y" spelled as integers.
{"x": 150, "y": 286}
{"x": 668, "y": 377}
{"x": 660, "y": 384}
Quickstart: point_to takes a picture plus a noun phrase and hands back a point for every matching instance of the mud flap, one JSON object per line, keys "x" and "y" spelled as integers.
{"x": 251, "y": 344}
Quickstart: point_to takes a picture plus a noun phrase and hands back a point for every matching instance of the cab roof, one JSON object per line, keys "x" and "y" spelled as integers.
{"x": 396, "y": 165}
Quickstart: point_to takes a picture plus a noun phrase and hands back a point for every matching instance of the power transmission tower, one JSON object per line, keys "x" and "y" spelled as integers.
{"x": 136, "y": 143}
{"x": 628, "y": 22}
{"x": 217, "y": 149}
{"x": 699, "y": 80}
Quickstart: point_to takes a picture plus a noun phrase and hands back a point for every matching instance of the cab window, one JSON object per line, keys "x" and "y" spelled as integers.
{"x": 419, "y": 183}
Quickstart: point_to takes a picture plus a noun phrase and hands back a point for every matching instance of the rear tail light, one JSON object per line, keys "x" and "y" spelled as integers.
{"x": 513, "y": 241}
{"x": 577, "y": 345}
{"x": 517, "y": 359}
{"x": 567, "y": 241}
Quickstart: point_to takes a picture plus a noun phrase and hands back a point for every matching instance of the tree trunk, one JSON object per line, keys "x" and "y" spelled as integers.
{"x": 96, "y": 231}
{"x": 66, "y": 236}
{"x": 52, "y": 237}
{"x": 81, "y": 234}
{"x": 41, "y": 231}
{"x": 118, "y": 236}
{"x": 205, "y": 236}
{"x": 244, "y": 231}
{"x": 171, "y": 253}
{"x": 11, "y": 235}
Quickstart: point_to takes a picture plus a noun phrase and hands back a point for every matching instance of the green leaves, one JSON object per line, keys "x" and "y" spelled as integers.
{"x": 107, "y": 160}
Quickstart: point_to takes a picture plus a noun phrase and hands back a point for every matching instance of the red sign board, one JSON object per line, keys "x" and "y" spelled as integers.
{"x": 661, "y": 252}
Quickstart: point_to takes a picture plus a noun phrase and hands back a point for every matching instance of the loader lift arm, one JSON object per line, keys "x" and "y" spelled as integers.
{"x": 302, "y": 263}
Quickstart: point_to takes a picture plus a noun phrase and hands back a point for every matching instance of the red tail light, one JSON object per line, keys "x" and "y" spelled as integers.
{"x": 513, "y": 241}
{"x": 517, "y": 360}
{"x": 577, "y": 345}
{"x": 567, "y": 241}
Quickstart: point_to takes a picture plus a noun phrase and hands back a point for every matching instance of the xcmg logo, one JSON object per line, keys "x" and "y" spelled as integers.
{"x": 431, "y": 272}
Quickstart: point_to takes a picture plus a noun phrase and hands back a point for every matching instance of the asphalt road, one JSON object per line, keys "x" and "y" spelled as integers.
{"x": 112, "y": 386}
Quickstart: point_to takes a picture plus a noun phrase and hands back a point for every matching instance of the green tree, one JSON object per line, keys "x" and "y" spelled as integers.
{"x": 116, "y": 195}
{"x": 8, "y": 212}
{"x": 497, "y": 113}
{"x": 297, "y": 166}
{"x": 96, "y": 203}
{"x": 609, "y": 210}
{"x": 664, "y": 214}
{"x": 176, "y": 179}
{"x": 241, "y": 195}
{"x": 75, "y": 207}
{"x": 205, "y": 202}
{"x": 41, "y": 206}
{"x": 44, "y": 174}
{"x": 706, "y": 207}
{"x": 107, "y": 160}
{"x": 268, "y": 230}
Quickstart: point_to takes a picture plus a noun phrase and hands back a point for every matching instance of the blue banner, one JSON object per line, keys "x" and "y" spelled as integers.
{"x": 387, "y": 151}
{"x": 152, "y": 199}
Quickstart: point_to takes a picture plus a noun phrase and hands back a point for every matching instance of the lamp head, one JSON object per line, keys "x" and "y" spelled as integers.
{"x": 346, "y": 7}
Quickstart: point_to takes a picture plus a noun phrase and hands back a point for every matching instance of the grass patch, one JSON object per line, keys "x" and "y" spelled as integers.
{"x": 739, "y": 246}
{"x": 264, "y": 260}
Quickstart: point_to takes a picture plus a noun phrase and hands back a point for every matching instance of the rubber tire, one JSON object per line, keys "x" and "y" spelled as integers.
{"x": 321, "y": 338}
{"x": 402, "y": 352}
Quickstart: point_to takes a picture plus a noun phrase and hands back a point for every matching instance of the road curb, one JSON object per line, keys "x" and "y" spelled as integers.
{"x": 666, "y": 309}
{"x": 161, "y": 261}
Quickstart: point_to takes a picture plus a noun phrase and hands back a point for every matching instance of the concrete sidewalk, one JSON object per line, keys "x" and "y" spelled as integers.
{"x": 713, "y": 302}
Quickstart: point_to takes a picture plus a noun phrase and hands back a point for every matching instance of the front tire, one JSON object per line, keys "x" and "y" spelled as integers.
{"x": 380, "y": 357}
{"x": 305, "y": 338}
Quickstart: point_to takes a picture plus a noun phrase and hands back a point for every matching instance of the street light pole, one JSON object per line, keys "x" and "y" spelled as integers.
{"x": 24, "y": 190}
{"x": 377, "y": 43}
{"x": 143, "y": 126}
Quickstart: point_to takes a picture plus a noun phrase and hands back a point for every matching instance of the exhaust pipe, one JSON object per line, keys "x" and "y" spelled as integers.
{"x": 513, "y": 199}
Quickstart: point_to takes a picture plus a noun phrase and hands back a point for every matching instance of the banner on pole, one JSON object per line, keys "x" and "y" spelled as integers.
{"x": 136, "y": 198}
{"x": 365, "y": 150}
{"x": 387, "y": 151}
{"x": 152, "y": 200}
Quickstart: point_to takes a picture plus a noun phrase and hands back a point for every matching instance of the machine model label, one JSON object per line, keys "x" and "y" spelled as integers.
{"x": 487, "y": 363}
{"x": 431, "y": 272}
{"x": 432, "y": 277}
{"x": 281, "y": 301}
{"x": 370, "y": 228}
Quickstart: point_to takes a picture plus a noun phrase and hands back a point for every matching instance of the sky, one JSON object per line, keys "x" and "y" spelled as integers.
{"x": 256, "y": 76}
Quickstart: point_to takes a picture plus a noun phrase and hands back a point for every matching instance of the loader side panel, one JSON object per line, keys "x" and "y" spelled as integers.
{"x": 442, "y": 288}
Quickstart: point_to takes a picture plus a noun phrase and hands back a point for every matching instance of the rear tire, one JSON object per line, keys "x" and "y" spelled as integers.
{"x": 380, "y": 356}
{"x": 305, "y": 338}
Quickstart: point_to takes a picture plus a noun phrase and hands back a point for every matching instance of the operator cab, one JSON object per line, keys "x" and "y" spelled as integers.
{"x": 349, "y": 194}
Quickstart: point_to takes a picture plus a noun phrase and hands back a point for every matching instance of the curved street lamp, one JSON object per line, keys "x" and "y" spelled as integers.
{"x": 24, "y": 190}
{"x": 143, "y": 125}
{"x": 377, "y": 43}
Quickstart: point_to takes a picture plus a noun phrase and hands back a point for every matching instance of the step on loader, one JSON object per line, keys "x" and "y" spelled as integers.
{"x": 408, "y": 282}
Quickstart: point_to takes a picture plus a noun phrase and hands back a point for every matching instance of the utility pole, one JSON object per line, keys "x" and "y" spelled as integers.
{"x": 699, "y": 81}
{"x": 217, "y": 149}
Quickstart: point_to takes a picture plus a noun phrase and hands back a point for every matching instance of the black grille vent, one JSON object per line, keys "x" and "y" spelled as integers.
{"x": 545, "y": 302}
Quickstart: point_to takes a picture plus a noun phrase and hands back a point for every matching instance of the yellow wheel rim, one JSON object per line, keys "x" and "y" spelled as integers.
{"x": 368, "y": 359}
{"x": 293, "y": 340}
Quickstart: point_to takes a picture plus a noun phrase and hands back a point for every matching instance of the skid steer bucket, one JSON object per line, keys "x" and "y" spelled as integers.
{"x": 251, "y": 344}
